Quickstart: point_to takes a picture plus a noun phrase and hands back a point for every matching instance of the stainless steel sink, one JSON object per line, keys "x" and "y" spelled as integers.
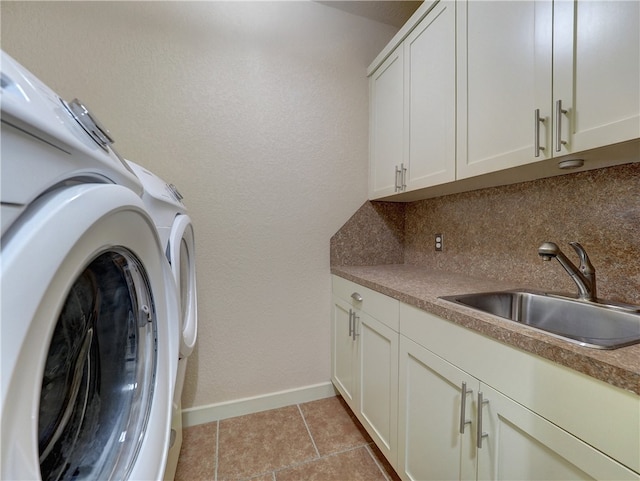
{"x": 593, "y": 324}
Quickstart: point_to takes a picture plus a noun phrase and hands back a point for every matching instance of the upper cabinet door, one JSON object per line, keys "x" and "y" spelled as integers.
{"x": 430, "y": 81}
{"x": 596, "y": 73}
{"x": 386, "y": 130}
{"x": 504, "y": 84}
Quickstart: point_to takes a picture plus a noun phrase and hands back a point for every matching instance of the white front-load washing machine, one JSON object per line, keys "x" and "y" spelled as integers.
{"x": 89, "y": 313}
{"x": 175, "y": 229}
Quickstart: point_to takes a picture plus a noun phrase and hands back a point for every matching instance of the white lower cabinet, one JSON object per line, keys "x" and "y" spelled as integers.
{"x": 453, "y": 426}
{"x": 444, "y": 402}
{"x": 430, "y": 444}
{"x": 378, "y": 383}
{"x": 365, "y": 360}
{"x": 520, "y": 444}
{"x": 344, "y": 351}
{"x": 528, "y": 418}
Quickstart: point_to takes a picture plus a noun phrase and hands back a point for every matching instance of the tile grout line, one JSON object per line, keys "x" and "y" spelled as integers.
{"x": 381, "y": 468}
{"x": 308, "y": 431}
{"x": 308, "y": 461}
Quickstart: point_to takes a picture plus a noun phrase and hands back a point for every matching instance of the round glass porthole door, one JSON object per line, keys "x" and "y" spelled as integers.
{"x": 99, "y": 373}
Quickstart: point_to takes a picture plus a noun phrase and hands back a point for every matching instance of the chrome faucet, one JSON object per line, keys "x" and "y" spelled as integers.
{"x": 584, "y": 276}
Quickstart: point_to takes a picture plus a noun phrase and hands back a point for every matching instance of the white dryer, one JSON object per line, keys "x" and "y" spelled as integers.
{"x": 89, "y": 311}
{"x": 175, "y": 229}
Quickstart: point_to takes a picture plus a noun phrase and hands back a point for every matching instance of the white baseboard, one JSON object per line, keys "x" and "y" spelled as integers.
{"x": 240, "y": 407}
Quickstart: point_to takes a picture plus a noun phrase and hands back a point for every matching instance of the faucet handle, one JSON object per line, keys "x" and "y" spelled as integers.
{"x": 585, "y": 264}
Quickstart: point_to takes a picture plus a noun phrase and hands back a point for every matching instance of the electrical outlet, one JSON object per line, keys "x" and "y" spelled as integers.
{"x": 439, "y": 242}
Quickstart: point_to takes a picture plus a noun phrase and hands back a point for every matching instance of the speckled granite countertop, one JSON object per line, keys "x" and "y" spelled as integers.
{"x": 421, "y": 287}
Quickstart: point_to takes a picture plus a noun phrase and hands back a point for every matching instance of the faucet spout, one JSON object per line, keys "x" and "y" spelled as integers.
{"x": 584, "y": 276}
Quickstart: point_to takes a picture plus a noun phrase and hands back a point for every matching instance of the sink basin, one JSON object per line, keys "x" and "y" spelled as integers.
{"x": 592, "y": 324}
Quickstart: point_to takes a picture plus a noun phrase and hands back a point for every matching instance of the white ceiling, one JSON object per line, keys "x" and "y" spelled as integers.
{"x": 391, "y": 12}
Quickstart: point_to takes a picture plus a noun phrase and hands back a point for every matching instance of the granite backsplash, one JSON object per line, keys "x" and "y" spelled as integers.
{"x": 496, "y": 232}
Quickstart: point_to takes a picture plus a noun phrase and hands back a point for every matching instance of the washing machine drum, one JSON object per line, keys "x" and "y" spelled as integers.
{"x": 87, "y": 370}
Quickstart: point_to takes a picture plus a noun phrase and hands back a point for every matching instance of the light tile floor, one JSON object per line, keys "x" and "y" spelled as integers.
{"x": 316, "y": 441}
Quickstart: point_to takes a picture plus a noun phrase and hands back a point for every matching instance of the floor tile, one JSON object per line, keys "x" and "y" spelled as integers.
{"x": 198, "y": 453}
{"x": 333, "y": 426}
{"x": 354, "y": 465}
{"x": 258, "y": 443}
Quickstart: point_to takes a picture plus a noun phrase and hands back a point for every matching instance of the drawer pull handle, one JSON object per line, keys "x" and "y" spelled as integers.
{"x": 354, "y": 334}
{"x": 356, "y": 297}
{"x": 463, "y": 407}
{"x": 536, "y": 126}
{"x": 559, "y": 112}
{"x": 480, "y": 434}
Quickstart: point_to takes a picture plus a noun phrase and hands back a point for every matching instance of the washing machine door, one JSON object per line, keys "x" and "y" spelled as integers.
{"x": 182, "y": 256}
{"x": 88, "y": 344}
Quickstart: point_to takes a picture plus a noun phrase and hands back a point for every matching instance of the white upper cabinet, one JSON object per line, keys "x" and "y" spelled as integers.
{"x": 386, "y": 129}
{"x": 474, "y": 87}
{"x": 412, "y": 107}
{"x": 430, "y": 81}
{"x": 596, "y": 73}
{"x": 504, "y": 78}
{"x": 541, "y": 79}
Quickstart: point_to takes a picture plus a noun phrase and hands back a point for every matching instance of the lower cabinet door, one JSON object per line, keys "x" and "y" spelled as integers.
{"x": 378, "y": 353}
{"x": 430, "y": 444}
{"x": 343, "y": 352}
{"x": 519, "y": 444}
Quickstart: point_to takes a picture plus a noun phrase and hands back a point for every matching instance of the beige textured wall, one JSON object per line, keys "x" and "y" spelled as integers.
{"x": 258, "y": 113}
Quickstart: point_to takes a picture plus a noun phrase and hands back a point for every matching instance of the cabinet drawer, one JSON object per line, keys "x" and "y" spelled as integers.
{"x": 383, "y": 308}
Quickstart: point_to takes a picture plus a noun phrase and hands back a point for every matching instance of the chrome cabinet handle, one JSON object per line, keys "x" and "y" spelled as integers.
{"x": 479, "y": 433}
{"x": 352, "y": 324}
{"x": 401, "y": 178}
{"x": 463, "y": 407}
{"x": 559, "y": 112}
{"x": 356, "y": 297}
{"x": 536, "y": 122}
{"x": 354, "y": 334}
